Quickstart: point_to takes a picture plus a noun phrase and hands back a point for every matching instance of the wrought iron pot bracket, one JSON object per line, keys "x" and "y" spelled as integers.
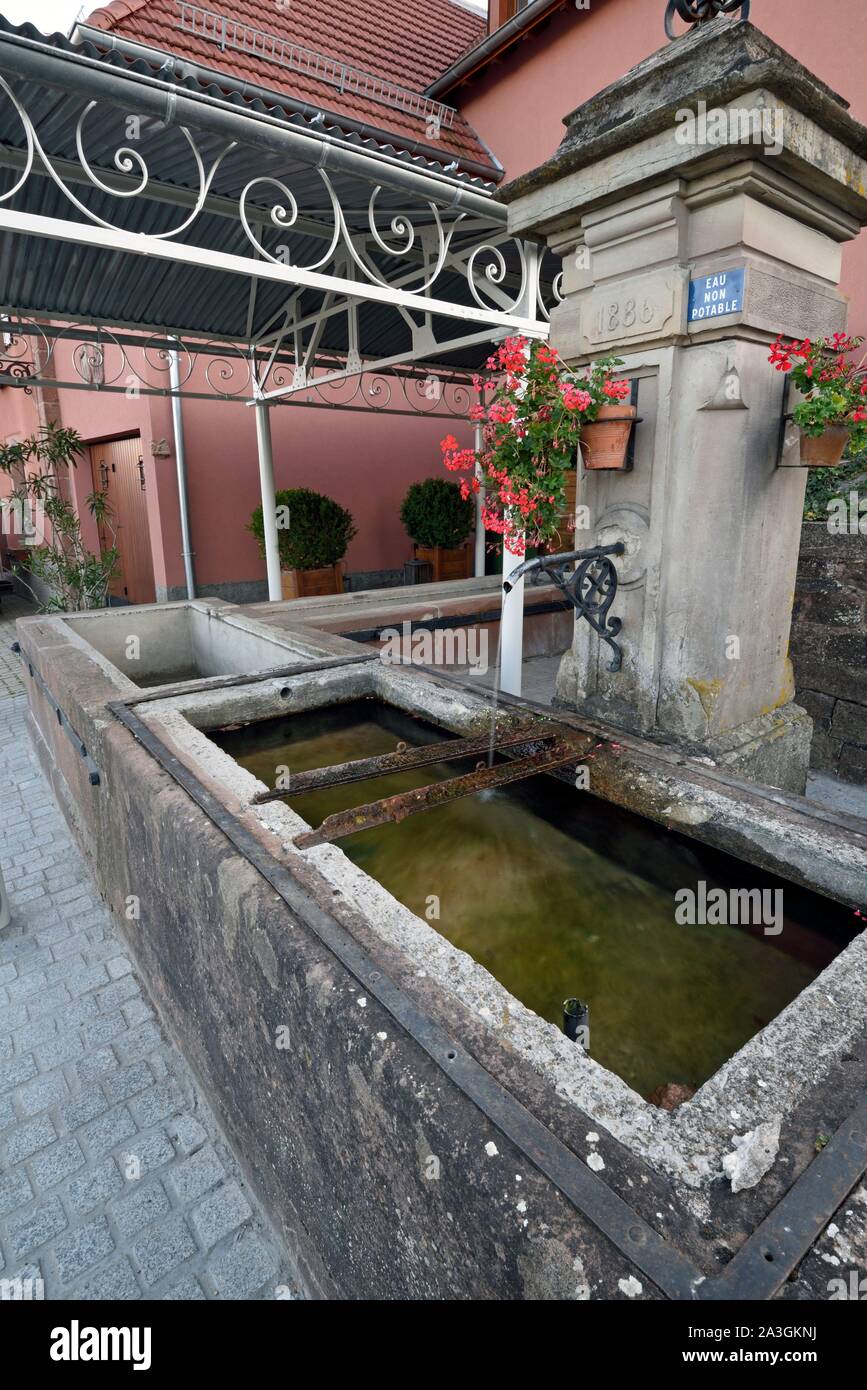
{"x": 697, "y": 11}
{"x": 591, "y": 588}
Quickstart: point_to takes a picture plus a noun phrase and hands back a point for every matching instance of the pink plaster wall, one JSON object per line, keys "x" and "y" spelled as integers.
{"x": 17, "y": 421}
{"x": 104, "y": 415}
{"x": 365, "y": 464}
{"x": 517, "y": 105}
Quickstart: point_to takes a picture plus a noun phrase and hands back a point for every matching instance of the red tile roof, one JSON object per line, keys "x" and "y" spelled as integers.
{"x": 408, "y": 42}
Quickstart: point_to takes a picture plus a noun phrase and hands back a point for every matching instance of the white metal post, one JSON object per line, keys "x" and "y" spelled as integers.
{"x": 181, "y": 466}
{"x": 512, "y": 614}
{"x": 511, "y": 627}
{"x": 269, "y": 500}
{"x": 479, "y": 567}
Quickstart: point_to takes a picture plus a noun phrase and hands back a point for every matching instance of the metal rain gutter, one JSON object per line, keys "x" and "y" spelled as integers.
{"x": 186, "y": 67}
{"x": 500, "y": 38}
{"x": 90, "y": 77}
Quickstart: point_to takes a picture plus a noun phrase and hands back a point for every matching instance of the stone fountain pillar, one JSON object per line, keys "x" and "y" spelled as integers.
{"x": 700, "y": 205}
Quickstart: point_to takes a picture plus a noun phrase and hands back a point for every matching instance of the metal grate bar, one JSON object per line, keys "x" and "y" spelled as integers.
{"x": 243, "y": 38}
{"x": 424, "y": 755}
{"x": 396, "y": 808}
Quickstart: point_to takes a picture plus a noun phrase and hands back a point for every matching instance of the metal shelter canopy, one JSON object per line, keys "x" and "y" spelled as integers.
{"x": 164, "y": 205}
{"x": 131, "y": 199}
{"x": 79, "y": 357}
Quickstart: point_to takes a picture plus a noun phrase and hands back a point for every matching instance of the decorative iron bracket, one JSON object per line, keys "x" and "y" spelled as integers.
{"x": 697, "y": 11}
{"x": 591, "y": 588}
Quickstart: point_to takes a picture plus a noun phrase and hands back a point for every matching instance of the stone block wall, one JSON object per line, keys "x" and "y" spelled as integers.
{"x": 829, "y": 648}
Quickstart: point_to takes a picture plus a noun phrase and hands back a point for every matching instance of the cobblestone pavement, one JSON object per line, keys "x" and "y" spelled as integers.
{"x": 11, "y": 607}
{"x": 115, "y": 1181}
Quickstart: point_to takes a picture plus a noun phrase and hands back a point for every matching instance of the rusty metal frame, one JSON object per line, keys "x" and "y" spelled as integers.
{"x": 405, "y": 758}
{"x": 93, "y": 773}
{"x": 437, "y": 794}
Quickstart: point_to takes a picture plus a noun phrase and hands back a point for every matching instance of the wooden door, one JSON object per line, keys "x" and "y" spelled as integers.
{"x": 118, "y": 467}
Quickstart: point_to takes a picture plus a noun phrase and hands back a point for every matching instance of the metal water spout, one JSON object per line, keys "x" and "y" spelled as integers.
{"x": 591, "y": 588}
{"x": 542, "y": 562}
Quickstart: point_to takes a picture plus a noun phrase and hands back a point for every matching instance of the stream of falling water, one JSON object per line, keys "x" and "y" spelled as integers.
{"x": 496, "y": 691}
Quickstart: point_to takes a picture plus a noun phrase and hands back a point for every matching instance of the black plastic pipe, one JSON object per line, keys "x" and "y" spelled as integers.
{"x": 576, "y": 1022}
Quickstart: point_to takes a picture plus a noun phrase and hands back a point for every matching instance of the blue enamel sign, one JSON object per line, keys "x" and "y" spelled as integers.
{"x": 714, "y": 296}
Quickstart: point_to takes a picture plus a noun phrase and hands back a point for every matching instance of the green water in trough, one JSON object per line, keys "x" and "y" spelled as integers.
{"x": 559, "y": 894}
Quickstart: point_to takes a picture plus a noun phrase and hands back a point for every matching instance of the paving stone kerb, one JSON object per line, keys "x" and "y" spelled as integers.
{"x": 346, "y": 1122}
{"x": 13, "y": 607}
{"x": 115, "y": 1180}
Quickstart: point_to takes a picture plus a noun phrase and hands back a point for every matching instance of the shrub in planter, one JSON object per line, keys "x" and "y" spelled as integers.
{"x": 313, "y": 534}
{"x": 832, "y": 416}
{"x": 439, "y": 520}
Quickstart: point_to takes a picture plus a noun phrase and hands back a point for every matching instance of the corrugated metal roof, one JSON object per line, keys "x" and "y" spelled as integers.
{"x": 239, "y": 96}
{"x": 44, "y": 276}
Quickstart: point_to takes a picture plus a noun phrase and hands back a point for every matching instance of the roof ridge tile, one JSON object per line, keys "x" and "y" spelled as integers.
{"x": 108, "y": 15}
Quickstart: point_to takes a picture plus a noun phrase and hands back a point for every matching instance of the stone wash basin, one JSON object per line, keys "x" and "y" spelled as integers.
{"x": 169, "y": 643}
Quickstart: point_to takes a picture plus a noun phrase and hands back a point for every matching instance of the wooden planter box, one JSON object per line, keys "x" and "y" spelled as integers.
{"x": 454, "y": 563}
{"x": 312, "y": 583}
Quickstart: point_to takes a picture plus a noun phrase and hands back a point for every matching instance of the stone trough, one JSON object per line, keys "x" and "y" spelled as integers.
{"x": 412, "y": 1127}
{"x": 180, "y": 641}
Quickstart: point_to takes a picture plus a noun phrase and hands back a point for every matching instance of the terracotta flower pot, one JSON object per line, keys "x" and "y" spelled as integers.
{"x": 824, "y": 450}
{"x": 605, "y": 442}
{"x": 312, "y": 583}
